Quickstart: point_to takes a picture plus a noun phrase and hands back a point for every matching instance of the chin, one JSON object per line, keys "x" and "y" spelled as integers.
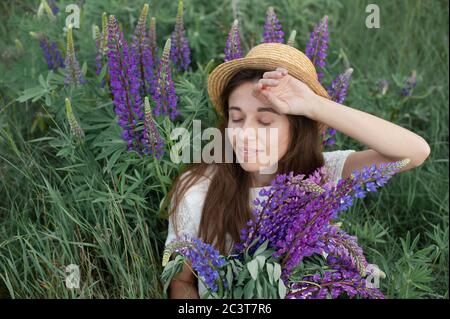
{"x": 251, "y": 167}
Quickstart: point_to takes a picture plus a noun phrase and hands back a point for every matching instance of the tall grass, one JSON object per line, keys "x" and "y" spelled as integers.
{"x": 99, "y": 207}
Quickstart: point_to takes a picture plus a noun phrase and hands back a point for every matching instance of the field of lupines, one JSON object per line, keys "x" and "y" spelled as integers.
{"x": 83, "y": 183}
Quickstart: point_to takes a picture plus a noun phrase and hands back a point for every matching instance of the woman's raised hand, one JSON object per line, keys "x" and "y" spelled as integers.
{"x": 286, "y": 93}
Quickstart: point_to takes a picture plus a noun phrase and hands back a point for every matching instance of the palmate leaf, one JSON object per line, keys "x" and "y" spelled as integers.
{"x": 172, "y": 268}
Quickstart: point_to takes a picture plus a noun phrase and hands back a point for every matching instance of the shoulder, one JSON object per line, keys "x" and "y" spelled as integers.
{"x": 194, "y": 196}
{"x": 201, "y": 184}
{"x": 335, "y": 161}
{"x": 338, "y": 155}
{"x": 188, "y": 214}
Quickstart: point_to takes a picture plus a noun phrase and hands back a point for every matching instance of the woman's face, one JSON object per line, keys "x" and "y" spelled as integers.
{"x": 259, "y": 132}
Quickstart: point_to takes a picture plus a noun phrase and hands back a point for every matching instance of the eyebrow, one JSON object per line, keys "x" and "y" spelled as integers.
{"x": 259, "y": 109}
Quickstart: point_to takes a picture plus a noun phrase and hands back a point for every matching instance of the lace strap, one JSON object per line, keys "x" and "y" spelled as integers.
{"x": 335, "y": 162}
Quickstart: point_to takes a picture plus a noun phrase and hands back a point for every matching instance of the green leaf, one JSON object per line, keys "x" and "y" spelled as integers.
{"x": 259, "y": 289}
{"x": 84, "y": 68}
{"x": 261, "y": 261}
{"x": 42, "y": 81}
{"x": 229, "y": 276}
{"x": 276, "y": 272}
{"x": 252, "y": 267}
{"x": 242, "y": 276}
{"x": 249, "y": 289}
{"x": 270, "y": 272}
{"x": 31, "y": 93}
{"x": 238, "y": 292}
{"x": 261, "y": 248}
{"x": 281, "y": 289}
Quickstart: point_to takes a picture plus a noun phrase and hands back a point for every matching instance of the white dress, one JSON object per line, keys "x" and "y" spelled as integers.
{"x": 191, "y": 205}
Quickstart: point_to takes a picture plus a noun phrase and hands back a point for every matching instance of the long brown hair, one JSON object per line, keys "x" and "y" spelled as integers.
{"x": 226, "y": 207}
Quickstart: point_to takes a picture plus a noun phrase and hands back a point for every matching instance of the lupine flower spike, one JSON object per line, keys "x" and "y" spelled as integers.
{"x": 153, "y": 45}
{"x": 143, "y": 55}
{"x": 165, "y": 97}
{"x": 124, "y": 86}
{"x": 99, "y": 52}
{"x": 337, "y": 92}
{"x": 339, "y": 86}
{"x": 101, "y": 44}
{"x": 316, "y": 49}
{"x": 73, "y": 71}
{"x": 44, "y": 7}
{"x": 180, "y": 51}
{"x": 409, "y": 84}
{"x": 51, "y": 52}
{"x": 104, "y": 43}
{"x": 291, "y": 40}
{"x": 52, "y": 4}
{"x": 203, "y": 257}
{"x": 272, "y": 28}
{"x": 75, "y": 128}
{"x": 382, "y": 87}
{"x": 233, "y": 48}
{"x": 153, "y": 143}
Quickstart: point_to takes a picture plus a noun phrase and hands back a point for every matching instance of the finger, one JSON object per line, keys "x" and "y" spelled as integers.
{"x": 273, "y": 74}
{"x": 256, "y": 91}
{"x": 273, "y": 99}
{"x": 282, "y": 70}
{"x": 269, "y": 82}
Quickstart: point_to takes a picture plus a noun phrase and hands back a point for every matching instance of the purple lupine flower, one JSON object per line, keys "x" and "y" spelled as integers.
{"x": 180, "y": 51}
{"x": 372, "y": 177}
{"x": 343, "y": 250}
{"x": 333, "y": 284}
{"x": 327, "y": 136}
{"x": 204, "y": 259}
{"x": 409, "y": 84}
{"x": 73, "y": 71}
{"x": 142, "y": 51}
{"x": 53, "y": 6}
{"x": 164, "y": 96}
{"x": 272, "y": 28}
{"x": 338, "y": 89}
{"x": 316, "y": 49}
{"x": 153, "y": 143}
{"x": 124, "y": 86}
{"x": 233, "y": 48}
{"x": 51, "y": 52}
{"x": 337, "y": 92}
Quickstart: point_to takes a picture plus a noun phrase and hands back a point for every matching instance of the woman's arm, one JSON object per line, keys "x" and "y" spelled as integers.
{"x": 183, "y": 285}
{"x": 387, "y": 141}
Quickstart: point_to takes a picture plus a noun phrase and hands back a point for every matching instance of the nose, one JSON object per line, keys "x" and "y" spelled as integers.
{"x": 248, "y": 134}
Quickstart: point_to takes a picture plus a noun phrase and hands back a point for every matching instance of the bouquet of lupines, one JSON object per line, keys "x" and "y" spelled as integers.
{"x": 292, "y": 247}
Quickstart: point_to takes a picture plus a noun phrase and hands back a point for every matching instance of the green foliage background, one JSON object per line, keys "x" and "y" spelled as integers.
{"x": 98, "y": 206}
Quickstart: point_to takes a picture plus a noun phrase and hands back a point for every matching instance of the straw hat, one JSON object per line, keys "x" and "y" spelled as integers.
{"x": 266, "y": 56}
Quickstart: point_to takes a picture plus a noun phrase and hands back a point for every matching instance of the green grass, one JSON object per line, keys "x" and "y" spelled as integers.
{"x": 98, "y": 206}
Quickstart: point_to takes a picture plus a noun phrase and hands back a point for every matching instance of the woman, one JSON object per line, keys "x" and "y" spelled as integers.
{"x": 274, "y": 86}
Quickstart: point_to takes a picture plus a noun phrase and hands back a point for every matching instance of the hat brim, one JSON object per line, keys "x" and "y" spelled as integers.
{"x": 222, "y": 74}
